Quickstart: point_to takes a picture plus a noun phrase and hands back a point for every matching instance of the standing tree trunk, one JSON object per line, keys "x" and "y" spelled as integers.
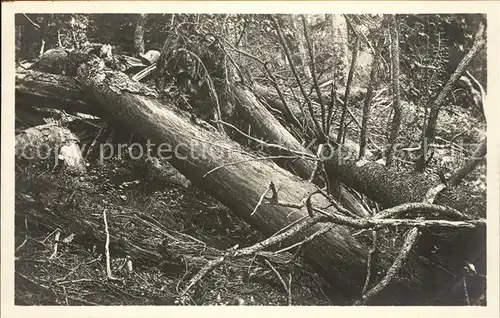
{"x": 338, "y": 30}
{"x": 396, "y": 96}
{"x": 299, "y": 38}
{"x": 139, "y": 34}
{"x": 368, "y": 101}
{"x": 477, "y": 46}
{"x": 347, "y": 94}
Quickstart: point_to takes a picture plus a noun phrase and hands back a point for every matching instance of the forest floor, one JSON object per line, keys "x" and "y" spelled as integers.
{"x": 76, "y": 275}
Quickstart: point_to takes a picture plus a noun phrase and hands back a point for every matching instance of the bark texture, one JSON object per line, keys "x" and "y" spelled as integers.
{"x": 238, "y": 185}
{"x": 51, "y": 142}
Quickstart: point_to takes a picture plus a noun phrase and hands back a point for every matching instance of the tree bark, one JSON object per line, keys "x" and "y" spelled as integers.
{"x": 372, "y": 85}
{"x": 396, "y": 96}
{"x": 51, "y": 142}
{"x": 338, "y": 27}
{"x": 52, "y": 91}
{"x": 239, "y": 185}
{"x": 139, "y": 34}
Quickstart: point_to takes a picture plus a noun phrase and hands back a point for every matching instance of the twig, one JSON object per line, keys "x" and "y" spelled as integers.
{"x": 253, "y": 249}
{"x": 65, "y": 295}
{"x": 394, "y": 269}
{"x": 317, "y": 163}
{"x": 99, "y": 134}
{"x": 466, "y": 292}
{"x": 276, "y": 146}
{"x": 369, "y": 261}
{"x": 290, "y": 289}
{"x": 283, "y": 229}
{"x": 56, "y": 244}
{"x": 366, "y": 223}
{"x": 420, "y": 207}
{"x": 108, "y": 258}
{"x": 207, "y": 268}
{"x": 37, "y": 26}
{"x": 245, "y": 24}
{"x": 287, "y": 288}
{"x": 25, "y": 236}
{"x": 248, "y": 160}
{"x": 50, "y": 234}
{"x": 260, "y": 200}
{"x": 281, "y": 38}
{"x": 459, "y": 174}
{"x": 42, "y": 48}
{"x": 83, "y": 301}
{"x": 308, "y": 239}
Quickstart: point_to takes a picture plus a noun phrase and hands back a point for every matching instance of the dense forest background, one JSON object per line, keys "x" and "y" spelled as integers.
{"x": 402, "y": 93}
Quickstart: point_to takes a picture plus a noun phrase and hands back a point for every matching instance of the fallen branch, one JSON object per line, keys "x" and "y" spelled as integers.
{"x": 394, "y": 269}
{"x": 108, "y": 258}
{"x": 56, "y": 244}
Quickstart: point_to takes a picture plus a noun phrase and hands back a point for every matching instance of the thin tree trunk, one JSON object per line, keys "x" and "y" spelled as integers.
{"x": 350, "y": 77}
{"x": 367, "y": 105}
{"x": 338, "y": 27}
{"x": 477, "y": 46}
{"x": 319, "y": 131}
{"x": 139, "y": 34}
{"x": 300, "y": 37}
{"x": 396, "y": 95}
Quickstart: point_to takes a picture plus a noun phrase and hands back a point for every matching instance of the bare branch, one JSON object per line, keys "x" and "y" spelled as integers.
{"x": 410, "y": 240}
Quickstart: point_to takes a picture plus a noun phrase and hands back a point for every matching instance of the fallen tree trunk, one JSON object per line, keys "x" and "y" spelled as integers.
{"x": 271, "y": 130}
{"x": 51, "y": 142}
{"x": 240, "y": 178}
{"x": 336, "y": 255}
{"x": 51, "y": 90}
{"x": 61, "y": 92}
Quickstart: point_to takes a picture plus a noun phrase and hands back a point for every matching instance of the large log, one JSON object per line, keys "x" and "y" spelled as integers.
{"x": 51, "y": 90}
{"x": 337, "y": 255}
{"x": 61, "y": 92}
